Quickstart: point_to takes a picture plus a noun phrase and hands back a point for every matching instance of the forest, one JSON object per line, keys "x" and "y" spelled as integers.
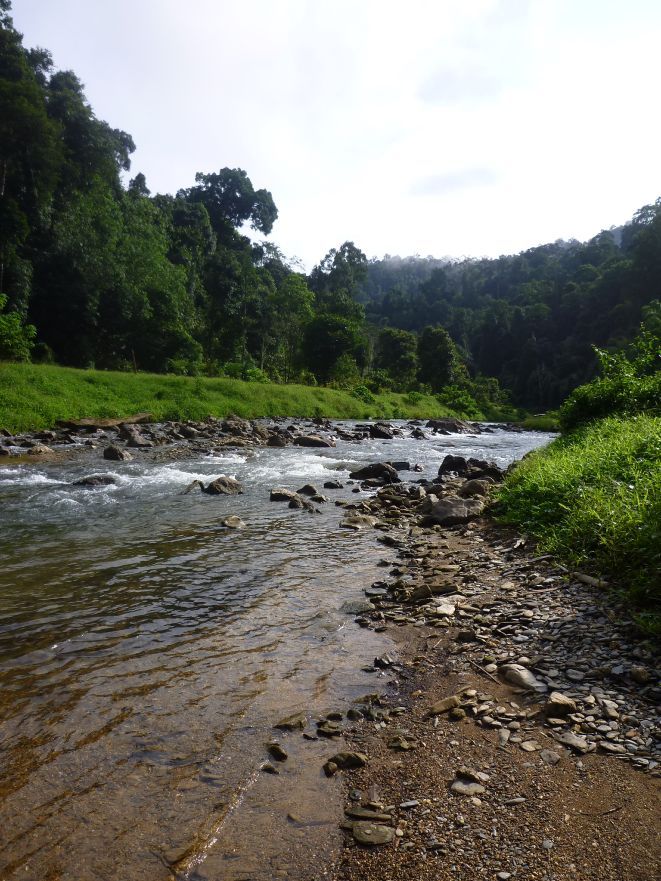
{"x": 97, "y": 271}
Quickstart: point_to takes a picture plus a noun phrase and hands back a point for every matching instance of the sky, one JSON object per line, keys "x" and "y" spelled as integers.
{"x": 433, "y": 127}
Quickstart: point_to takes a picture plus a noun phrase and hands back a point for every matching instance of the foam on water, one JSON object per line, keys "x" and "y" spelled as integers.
{"x": 24, "y": 476}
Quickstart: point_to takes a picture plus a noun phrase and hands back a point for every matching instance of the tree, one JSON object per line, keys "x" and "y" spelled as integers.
{"x": 440, "y": 364}
{"x": 16, "y": 338}
{"x": 327, "y": 339}
{"x": 30, "y": 154}
{"x": 138, "y": 185}
{"x": 230, "y": 198}
{"x": 336, "y": 281}
{"x": 397, "y": 355}
{"x": 291, "y": 308}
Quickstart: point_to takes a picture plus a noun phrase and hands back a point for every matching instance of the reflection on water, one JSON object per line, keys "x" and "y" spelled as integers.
{"x": 145, "y": 652}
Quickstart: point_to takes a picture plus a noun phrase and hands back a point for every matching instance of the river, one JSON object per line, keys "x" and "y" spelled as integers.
{"x": 145, "y": 653}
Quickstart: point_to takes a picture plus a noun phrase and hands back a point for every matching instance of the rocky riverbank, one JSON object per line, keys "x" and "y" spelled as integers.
{"x": 516, "y": 735}
{"x": 121, "y": 439}
{"x": 512, "y": 731}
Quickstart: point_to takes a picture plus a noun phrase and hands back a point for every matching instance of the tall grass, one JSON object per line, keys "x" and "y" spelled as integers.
{"x": 34, "y": 396}
{"x": 594, "y": 498}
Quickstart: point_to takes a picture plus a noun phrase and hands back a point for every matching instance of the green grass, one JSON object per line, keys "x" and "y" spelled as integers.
{"x": 34, "y": 396}
{"x": 544, "y": 422}
{"x": 593, "y": 497}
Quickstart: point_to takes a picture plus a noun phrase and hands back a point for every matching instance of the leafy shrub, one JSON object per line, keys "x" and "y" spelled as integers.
{"x": 363, "y": 394}
{"x": 378, "y": 381}
{"x": 16, "y": 338}
{"x": 461, "y": 401}
{"x": 247, "y": 371}
{"x": 630, "y": 384}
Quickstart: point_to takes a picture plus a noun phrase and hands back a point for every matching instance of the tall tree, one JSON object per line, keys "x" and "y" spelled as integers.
{"x": 230, "y": 198}
{"x": 440, "y": 364}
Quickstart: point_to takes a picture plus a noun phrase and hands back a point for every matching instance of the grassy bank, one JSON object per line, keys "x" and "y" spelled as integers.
{"x": 544, "y": 422}
{"x": 594, "y": 498}
{"x": 34, "y": 396}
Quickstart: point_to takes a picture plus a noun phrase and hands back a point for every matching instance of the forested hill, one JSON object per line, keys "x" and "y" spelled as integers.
{"x": 530, "y": 319}
{"x": 99, "y": 272}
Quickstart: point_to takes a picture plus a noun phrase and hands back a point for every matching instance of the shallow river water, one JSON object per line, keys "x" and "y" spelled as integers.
{"x": 145, "y": 653}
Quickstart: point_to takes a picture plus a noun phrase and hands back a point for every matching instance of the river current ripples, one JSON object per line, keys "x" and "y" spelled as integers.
{"x": 145, "y": 653}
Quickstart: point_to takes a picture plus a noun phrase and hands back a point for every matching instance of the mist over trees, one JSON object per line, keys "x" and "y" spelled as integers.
{"x": 98, "y": 272}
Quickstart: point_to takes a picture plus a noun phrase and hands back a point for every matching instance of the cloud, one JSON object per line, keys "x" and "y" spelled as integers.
{"x": 446, "y": 86}
{"x": 453, "y": 181}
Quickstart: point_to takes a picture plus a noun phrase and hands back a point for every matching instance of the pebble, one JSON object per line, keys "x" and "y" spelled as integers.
{"x": 465, "y": 787}
{"x": 372, "y": 833}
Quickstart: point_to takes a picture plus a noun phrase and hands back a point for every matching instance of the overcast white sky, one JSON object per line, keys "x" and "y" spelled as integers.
{"x": 443, "y": 127}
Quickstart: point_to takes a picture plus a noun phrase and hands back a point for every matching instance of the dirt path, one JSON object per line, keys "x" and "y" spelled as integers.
{"x": 534, "y": 807}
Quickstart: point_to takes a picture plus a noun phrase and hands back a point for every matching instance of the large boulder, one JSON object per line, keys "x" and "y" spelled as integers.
{"x": 451, "y": 511}
{"x": 222, "y": 485}
{"x": 280, "y": 494}
{"x": 235, "y": 425}
{"x": 313, "y": 440}
{"x": 475, "y": 469}
{"x": 188, "y": 431}
{"x": 116, "y": 454}
{"x": 475, "y": 488}
{"x": 381, "y": 431}
{"x": 308, "y": 490}
{"x": 381, "y": 470}
{"x": 134, "y": 437}
{"x": 453, "y": 465}
{"x": 452, "y": 426}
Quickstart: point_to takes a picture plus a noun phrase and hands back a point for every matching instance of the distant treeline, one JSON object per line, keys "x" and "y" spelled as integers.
{"x": 95, "y": 272}
{"x": 530, "y": 320}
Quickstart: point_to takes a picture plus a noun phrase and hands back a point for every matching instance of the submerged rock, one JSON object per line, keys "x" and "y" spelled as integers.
{"x": 232, "y": 522}
{"x": 277, "y": 752}
{"x": 372, "y": 833}
{"x": 39, "y": 450}
{"x": 291, "y": 723}
{"x": 358, "y": 521}
{"x": 345, "y": 761}
{"x": 96, "y": 480}
{"x": 313, "y": 440}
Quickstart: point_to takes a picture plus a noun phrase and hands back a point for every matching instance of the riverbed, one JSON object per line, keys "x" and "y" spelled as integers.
{"x": 146, "y": 652}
